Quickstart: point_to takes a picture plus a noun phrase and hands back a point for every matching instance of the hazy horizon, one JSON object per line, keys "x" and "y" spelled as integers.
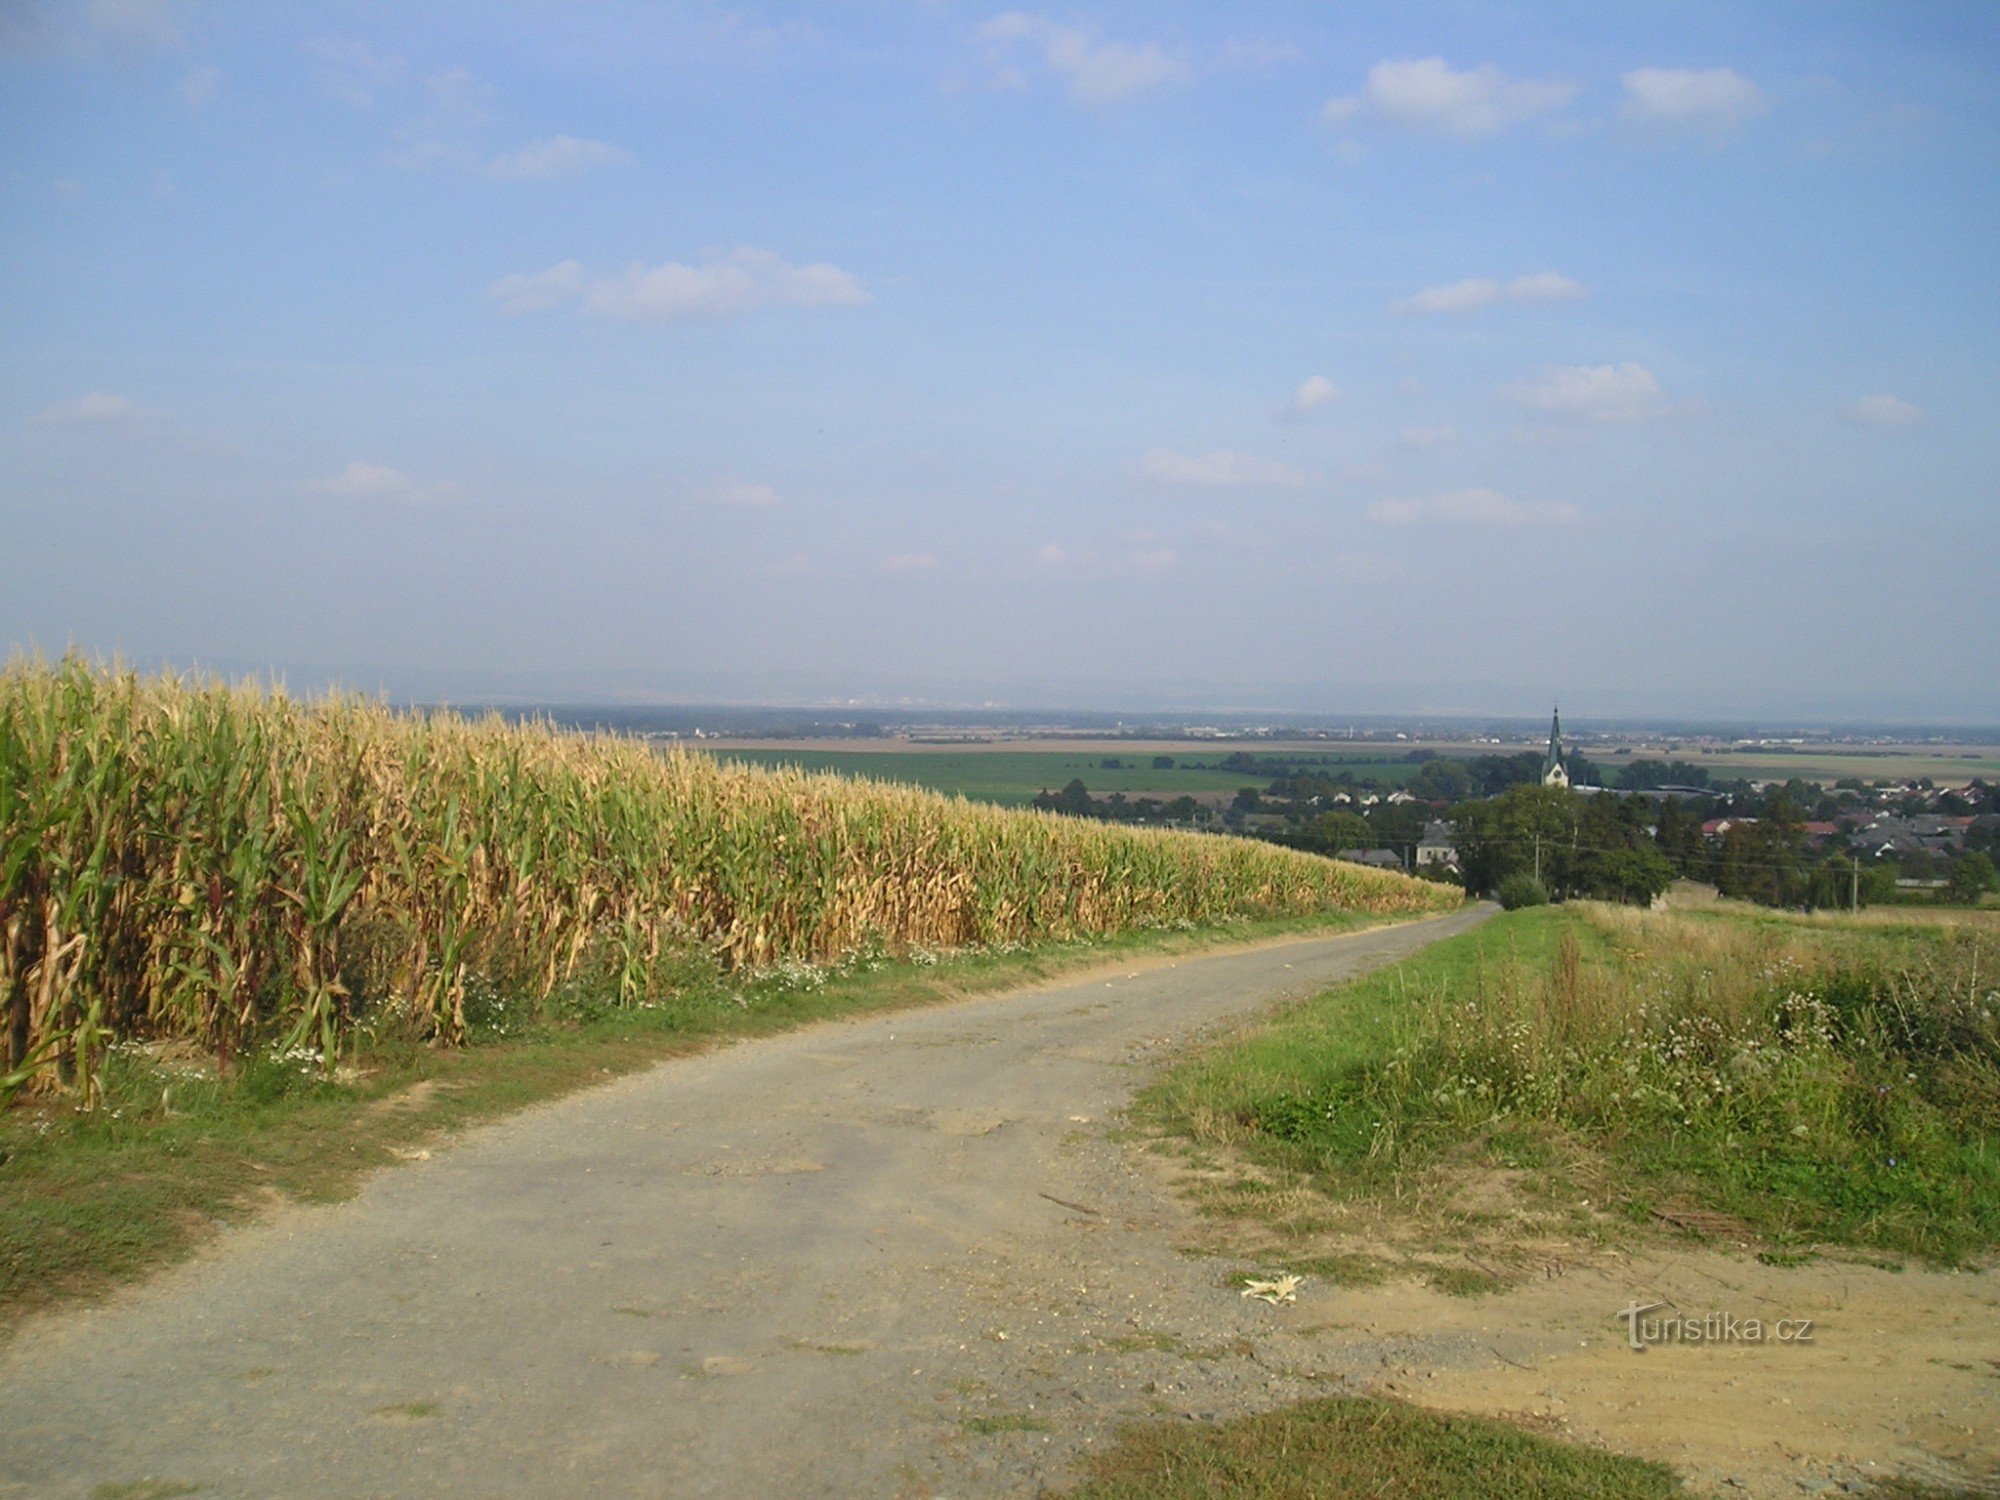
{"x": 1414, "y": 358}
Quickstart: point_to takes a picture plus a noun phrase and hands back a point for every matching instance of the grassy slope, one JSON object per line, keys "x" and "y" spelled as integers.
{"x": 88, "y": 1200}
{"x": 1892, "y": 1146}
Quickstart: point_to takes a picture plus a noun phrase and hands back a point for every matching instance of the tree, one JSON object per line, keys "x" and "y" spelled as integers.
{"x": 1442, "y": 780}
{"x": 1634, "y": 875}
{"x": 1332, "y": 832}
{"x": 1516, "y": 831}
{"x": 1679, "y": 837}
{"x": 1972, "y": 877}
{"x": 1764, "y": 861}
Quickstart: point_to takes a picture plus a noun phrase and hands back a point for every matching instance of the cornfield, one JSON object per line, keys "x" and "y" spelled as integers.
{"x": 183, "y": 859}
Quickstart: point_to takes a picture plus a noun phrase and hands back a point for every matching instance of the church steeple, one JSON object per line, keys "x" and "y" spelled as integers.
{"x": 1554, "y": 771}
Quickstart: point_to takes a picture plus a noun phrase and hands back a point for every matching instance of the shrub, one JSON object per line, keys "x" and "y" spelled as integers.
{"x": 1517, "y": 891}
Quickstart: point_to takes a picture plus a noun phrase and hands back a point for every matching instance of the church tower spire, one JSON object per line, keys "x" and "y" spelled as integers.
{"x": 1555, "y": 772}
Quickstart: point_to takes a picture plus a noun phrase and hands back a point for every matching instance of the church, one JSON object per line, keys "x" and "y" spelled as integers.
{"x": 1555, "y": 770}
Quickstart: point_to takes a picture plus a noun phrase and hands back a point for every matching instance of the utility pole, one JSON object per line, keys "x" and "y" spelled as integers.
{"x": 1538, "y": 859}
{"x": 1854, "y": 888}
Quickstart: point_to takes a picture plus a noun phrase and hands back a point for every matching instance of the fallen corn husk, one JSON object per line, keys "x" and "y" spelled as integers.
{"x": 1280, "y": 1288}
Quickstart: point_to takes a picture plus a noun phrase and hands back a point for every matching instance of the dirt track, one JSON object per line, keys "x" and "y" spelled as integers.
{"x": 908, "y": 1256}
{"x": 898, "y": 1255}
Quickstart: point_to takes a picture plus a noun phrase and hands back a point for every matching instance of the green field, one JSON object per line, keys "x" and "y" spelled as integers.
{"x": 1011, "y": 778}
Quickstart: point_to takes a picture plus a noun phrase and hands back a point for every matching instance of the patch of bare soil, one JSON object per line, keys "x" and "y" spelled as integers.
{"x": 1752, "y": 1378}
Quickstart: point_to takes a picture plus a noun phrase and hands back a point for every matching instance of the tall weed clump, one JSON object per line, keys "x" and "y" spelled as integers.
{"x": 184, "y": 859}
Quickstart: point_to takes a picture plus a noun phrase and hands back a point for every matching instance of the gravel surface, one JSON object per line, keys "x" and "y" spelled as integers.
{"x": 900, "y": 1255}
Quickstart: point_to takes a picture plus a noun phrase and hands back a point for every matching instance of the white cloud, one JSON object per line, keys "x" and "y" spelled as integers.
{"x": 740, "y": 281}
{"x": 1475, "y": 507}
{"x": 1218, "y": 470}
{"x": 1478, "y": 292}
{"x": 134, "y": 25}
{"x": 1691, "y": 98}
{"x": 1594, "y": 393}
{"x": 522, "y": 292}
{"x": 1881, "y": 411}
{"x": 1149, "y": 557}
{"x": 1546, "y": 286}
{"x": 742, "y": 495}
{"x": 356, "y": 75}
{"x": 1099, "y": 71}
{"x": 1427, "y": 94}
{"x": 1422, "y": 439}
{"x": 1460, "y": 296}
{"x": 909, "y": 562}
{"x": 98, "y": 409}
{"x": 366, "y": 481}
{"x": 1314, "y": 392}
{"x": 199, "y": 85}
{"x": 558, "y": 156}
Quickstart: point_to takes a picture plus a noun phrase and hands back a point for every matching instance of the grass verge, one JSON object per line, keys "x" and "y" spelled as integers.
{"x": 1815, "y": 1082}
{"x": 1354, "y": 1446}
{"x": 90, "y": 1199}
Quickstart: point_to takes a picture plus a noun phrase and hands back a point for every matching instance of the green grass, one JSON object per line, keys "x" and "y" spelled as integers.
{"x": 1343, "y": 1446}
{"x": 1824, "y": 1082}
{"x": 92, "y": 1198}
{"x": 1004, "y": 1422}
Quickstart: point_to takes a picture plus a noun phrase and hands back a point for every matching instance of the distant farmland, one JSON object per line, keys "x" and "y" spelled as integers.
{"x": 1011, "y": 773}
{"x": 1011, "y": 777}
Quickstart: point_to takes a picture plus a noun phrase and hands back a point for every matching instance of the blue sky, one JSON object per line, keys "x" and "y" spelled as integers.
{"x": 1334, "y": 357}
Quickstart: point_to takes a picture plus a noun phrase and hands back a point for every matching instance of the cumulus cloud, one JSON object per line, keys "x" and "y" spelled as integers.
{"x": 1219, "y": 470}
{"x": 1475, "y": 507}
{"x": 909, "y": 562}
{"x": 1691, "y": 98}
{"x": 98, "y": 409}
{"x": 1314, "y": 392}
{"x": 524, "y": 292}
{"x": 1457, "y": 297}
{"x": 1881, "y": 411}
{"x": 1097, "y": 70}
{"x": 740, "y": 494}
{"x": 1479, "y": 292}
{"x": 1594, "y": 393}
{"x": 1428, "y": 94}
{"x": 739, "y": 281}
{"x": 366, "y": 481}
{"x": 1546, "y": 286}
{"x": 558, "y": 156}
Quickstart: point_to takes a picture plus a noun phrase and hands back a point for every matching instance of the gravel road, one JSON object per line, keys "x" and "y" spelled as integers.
{"x": 902, "y": 1255}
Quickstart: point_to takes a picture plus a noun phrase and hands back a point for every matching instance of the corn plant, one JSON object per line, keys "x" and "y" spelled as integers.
{"x": 185, "y": 859}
